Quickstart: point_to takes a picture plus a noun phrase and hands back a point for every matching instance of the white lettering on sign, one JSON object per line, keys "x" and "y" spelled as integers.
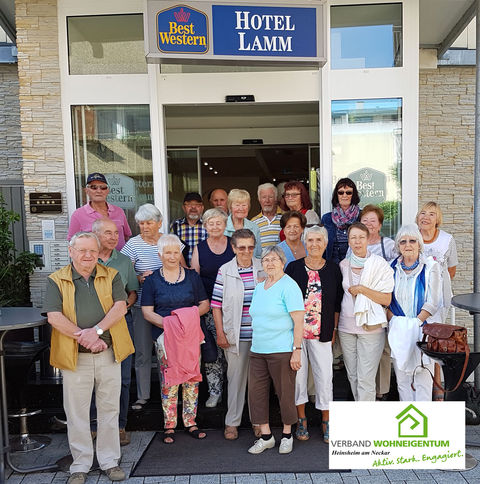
{"x": 245, "y": 21}
{"x": 265, "y": 43}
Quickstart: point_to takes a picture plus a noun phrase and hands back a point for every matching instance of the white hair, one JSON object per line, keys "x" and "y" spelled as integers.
{"x": 83, "y": 235}
{"x": 315, "y": 229}
{"x": 267, "y": 186}
{"x": 276, "y": 250}
{"x": 166, "y": 240}
{"x": 148, "y": 212}
{"x": 214, "y": 213}
{"x": 410, "y": 230}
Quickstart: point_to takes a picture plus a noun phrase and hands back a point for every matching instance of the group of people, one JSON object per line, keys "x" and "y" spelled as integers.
{"x": 251, "y": 301}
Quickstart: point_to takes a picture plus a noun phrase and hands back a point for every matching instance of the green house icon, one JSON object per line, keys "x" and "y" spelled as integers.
{"x": 412, "y": 422}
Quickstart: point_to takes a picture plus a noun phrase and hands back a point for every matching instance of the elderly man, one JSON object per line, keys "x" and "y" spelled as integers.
{"x": 268, "y": 220}
{"x": 107, "y": 234}
{"x": 85, "y": 304}
{"x": 190, "y": 228}
{"x": 218, "y": 199}
{"x": 97, "y": 207}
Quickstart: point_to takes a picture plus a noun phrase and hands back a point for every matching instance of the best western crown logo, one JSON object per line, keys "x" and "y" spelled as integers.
{"x": 182, "y": 29}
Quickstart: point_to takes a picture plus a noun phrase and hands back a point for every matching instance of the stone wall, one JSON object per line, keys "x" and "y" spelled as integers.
{"x": 446, "y": 153}
{"x": 10, "y": 138}
{"x": 40, "y": 116}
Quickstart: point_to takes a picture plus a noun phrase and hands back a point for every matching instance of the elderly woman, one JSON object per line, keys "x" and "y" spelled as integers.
{"x": 296, "y": 197}
{"x": 416, "y": 297}
{"x": 321, "y": 285}
{"x": 368, "y": 286}
{"x": 143, "y": 252}
{"x": 175, "y": 290}
{"x": 277, "y": 312}
{"x": 207, "y": 258}
{"x": 232, "y": 296}
{"x": 293, "y": 224}
{"x": 239, "y": 206}
{"x": 441, "y": 246}
{"x": 345, "y": 200}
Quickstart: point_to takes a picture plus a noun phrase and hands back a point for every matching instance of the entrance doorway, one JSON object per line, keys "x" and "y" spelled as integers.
{"x": 243, "y": 146}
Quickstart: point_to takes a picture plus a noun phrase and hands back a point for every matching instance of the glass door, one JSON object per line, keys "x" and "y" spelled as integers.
{"x": 183, "y": 177}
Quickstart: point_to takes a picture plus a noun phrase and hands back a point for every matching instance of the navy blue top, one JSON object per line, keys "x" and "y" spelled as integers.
{"x": 337, "y": 246}
{"x": 211, "y": 262}
{"x": 165, "y": 296}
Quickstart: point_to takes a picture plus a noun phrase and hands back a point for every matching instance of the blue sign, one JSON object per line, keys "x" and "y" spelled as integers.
{"x": 264, "y": 31}
{"x": 182, "y": 29}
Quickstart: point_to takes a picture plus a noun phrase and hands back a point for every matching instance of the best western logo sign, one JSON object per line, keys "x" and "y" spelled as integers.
{"x": 182, "y": 29}
{"x": 234, "y": 33}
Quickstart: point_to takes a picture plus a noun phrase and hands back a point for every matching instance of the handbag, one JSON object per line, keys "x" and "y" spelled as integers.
{"x": 447, "y": 338}
{"x": 209, "y": 346}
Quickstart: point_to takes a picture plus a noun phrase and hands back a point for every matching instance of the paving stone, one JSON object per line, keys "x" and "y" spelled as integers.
{"x": 39, "y": 478}
{"x": 330, "y": 477}
{"x": 400, "y": 474}
{"x": 205, "y": 479}
{"x": 154, "y": 479}
{"x": 373, "y": 479}
{"x": 251, "y": 479}
{"x": 279, "y": 476}
{"x": 350, "y": 480}
{"x": 449, "y": 477}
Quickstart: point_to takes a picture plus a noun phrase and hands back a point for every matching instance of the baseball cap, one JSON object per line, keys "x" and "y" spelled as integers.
{"x": 192, "y": 196}
{"x": 96, "y": 177}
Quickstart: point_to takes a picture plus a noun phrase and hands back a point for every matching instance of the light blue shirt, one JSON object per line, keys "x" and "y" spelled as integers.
{"x": 247, "y": 224}
{"x": 270, "y": 310}
{"x": 288, "y": 252}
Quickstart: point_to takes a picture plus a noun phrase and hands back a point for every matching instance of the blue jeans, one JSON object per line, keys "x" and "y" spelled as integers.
{"x": 125, "y": 391}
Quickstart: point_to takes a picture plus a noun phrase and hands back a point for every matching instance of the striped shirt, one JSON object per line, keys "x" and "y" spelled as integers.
{"x": 249, "y": 286}
{"x": 144, "y": 257}
{"x": 269, "y": 230}
{"x": 191, "y": 235}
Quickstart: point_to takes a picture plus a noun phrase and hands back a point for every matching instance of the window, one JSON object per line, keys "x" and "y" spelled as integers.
{"x": 106, "y": 44}
{"x": 366, "y": 36}
{"x": 367, "y": 147}
{"x": 115, "y": 141}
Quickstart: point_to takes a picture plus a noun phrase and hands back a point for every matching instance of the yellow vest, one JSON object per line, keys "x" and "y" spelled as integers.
{"x": 63, "y": 349}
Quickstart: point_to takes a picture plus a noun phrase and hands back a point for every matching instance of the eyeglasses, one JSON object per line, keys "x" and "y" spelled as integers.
{"x": 245, "y": 248}
{"x": 98, "y": 187}
{"x": 86, "y": 251}
{"x": 345, "y": 192}
{"x": 292, "y": 195}
{"x": 405, "y": 241}
{"x": 273, "y": 259}
{"x": 193, "y": 205}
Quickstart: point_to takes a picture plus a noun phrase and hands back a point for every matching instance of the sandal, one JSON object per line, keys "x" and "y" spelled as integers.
{"x": 302, "y": 432}
{"x": 195, "y": 432}
{"x": 169, "y": 436}
{"x": 230, "y": 433}
{"x": 139, "y": 405}
{"x": 326, "y": 431}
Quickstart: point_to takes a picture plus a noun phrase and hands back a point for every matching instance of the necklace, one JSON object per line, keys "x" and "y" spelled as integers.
{"x": 178, "y": 278}
{"x": 410, "y": 268}
{"x": 313, "y": 265}
{"x": 432, "y": 239}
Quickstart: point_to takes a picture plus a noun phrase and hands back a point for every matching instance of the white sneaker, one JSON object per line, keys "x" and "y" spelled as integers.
{"x": 212, "y": 401}
{"x": 286, "y": 445}
{"x": 260, "y": 445}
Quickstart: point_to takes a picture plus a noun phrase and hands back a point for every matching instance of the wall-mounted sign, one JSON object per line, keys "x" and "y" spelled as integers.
{"x": 371, "y": 185}
{"x": 233, "y": 32}
{"x": 122, "y": 190}
{"x": 45, "y": 202}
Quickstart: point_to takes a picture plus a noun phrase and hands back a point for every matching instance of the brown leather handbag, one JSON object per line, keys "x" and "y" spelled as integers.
{"x": 447, "y": 338}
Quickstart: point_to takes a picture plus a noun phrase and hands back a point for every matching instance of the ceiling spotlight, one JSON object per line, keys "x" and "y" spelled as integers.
{"x": 274, "y": 179}
{"x": 210, "y": 167}
{"x": 205, "y": 163}
{"x": 215, "y": 172}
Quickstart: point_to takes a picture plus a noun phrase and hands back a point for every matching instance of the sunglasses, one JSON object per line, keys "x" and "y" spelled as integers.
{"x": 410, "y": 241}
{"x": 345, "y": 192}
{"x": 98, "y": 187}
{"x": 245, "y": 248}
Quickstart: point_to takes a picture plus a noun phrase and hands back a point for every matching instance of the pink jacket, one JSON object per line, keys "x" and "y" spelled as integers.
{"x": 183, "y": 336}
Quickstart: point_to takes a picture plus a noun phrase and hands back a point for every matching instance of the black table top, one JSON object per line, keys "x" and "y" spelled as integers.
{"x": 470, "y": 302}
{"x": 17, "y": 318}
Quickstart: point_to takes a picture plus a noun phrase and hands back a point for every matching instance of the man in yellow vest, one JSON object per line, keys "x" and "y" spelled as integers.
{"x": 85, "y": 304}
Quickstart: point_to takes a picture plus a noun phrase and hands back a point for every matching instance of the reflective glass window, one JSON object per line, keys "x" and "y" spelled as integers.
{"x": 115, "y": 141}
{"x": 367, "y": 147}
{"x": 366, "y": 36}
{"x": 106, "y": 44}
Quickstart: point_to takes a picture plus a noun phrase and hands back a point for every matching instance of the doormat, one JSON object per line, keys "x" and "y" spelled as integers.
{"x": 215, "y": 455}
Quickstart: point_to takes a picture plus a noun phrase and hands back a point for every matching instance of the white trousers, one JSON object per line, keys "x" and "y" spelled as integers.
{"x": 237, "y": 374}
{"x": 423, "y": 384}
{"x": 100, "y": 372}
{"x": 361, "y": 354}
{"x": 320, "y": 357}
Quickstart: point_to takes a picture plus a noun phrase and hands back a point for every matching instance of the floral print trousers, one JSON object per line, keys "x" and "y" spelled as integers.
{"x": 170, "y": 398}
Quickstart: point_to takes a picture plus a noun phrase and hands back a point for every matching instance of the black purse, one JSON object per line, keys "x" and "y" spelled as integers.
{"x": 209, "y": 349}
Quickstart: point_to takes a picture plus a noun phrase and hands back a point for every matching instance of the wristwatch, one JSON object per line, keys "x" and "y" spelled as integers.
{"x": 98, "y": 329}
{"x": 297, "y": 348}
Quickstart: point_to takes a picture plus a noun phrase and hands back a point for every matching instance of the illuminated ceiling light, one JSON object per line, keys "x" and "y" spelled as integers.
{"x": 274, "y": 179}
{"x": 215, "y": 172}
{"x": 210, "y": 167}
{"x": 205, "y": 163}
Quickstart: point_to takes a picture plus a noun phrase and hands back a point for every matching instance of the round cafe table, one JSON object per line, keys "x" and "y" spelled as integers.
{"x": 10, "y": 319}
